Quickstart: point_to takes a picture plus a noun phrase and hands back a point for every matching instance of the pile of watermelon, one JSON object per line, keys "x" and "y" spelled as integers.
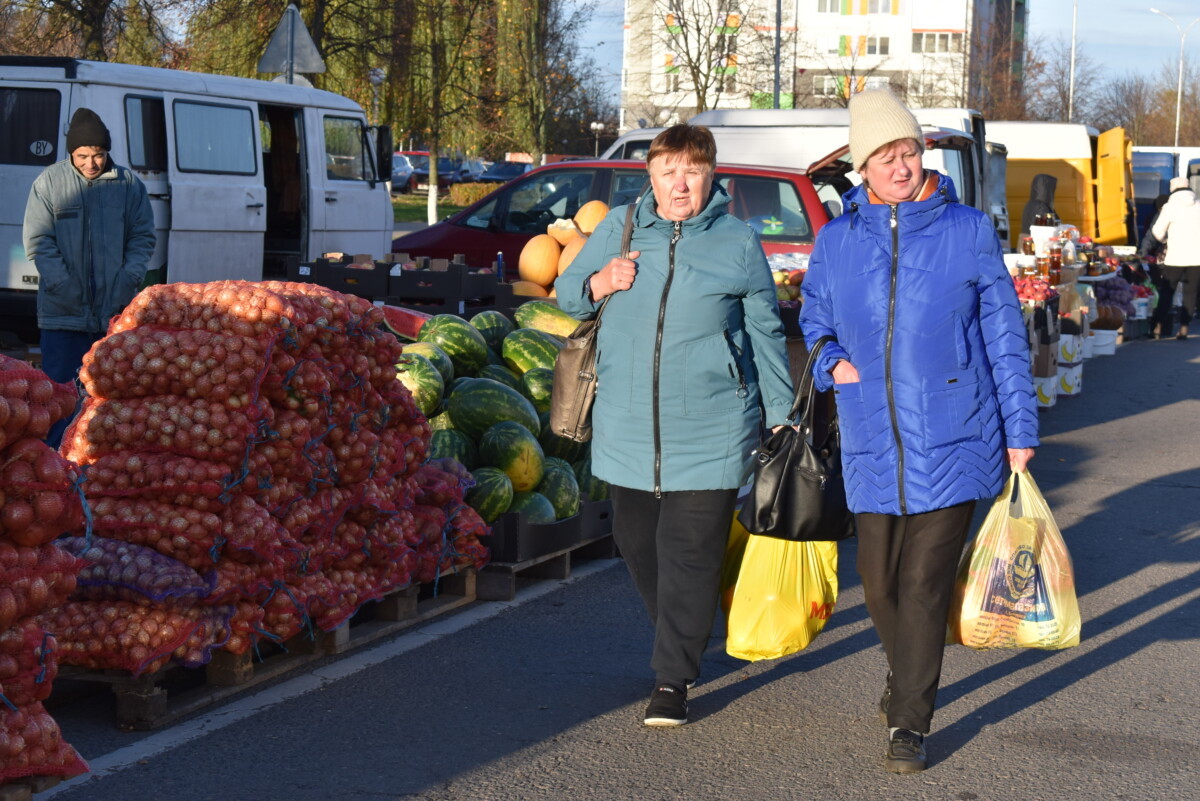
{"x": 485, "y": 385}
{"x": 251, "y": 465}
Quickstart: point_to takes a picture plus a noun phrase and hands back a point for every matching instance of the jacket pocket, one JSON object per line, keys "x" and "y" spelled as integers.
{"x": 853, "y": 421}
{"x": 614, "y": 370}
{"x": 714, "y": 380}
{"x": 951, "y": 406}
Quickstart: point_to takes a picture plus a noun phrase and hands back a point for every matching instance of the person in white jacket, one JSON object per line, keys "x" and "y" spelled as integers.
{"x": 1178, "y": 225}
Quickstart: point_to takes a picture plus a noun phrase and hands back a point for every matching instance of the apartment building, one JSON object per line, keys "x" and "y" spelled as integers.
{"x": 684, "y": 55}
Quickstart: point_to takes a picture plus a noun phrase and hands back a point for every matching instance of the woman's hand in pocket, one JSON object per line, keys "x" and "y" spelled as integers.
{"x": 845, "y": 373}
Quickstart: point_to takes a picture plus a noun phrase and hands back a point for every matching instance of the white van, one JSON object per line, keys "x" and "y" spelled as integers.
{"x": 244, "y": 175}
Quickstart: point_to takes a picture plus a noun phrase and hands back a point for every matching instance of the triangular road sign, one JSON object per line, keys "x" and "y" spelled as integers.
{"x": 291, "y": 48}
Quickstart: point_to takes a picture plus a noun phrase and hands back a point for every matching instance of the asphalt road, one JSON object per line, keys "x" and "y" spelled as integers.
{"x": 542, "y": 698}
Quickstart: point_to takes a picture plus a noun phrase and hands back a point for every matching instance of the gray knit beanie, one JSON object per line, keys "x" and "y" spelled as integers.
{"x": 877, "y": 118}
{"x": 87, "y": 130}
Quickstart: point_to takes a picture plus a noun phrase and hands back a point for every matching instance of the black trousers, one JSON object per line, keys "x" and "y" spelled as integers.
{"x": 673, "y": 546}
{"x": 907, "y": 564}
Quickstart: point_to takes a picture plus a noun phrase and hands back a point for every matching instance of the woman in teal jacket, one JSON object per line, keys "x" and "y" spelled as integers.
{"x": 934, "y": 393}
{"x": 691, "y": 367}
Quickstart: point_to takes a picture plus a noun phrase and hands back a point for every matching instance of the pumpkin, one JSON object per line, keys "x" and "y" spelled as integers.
{"x": 590, "y": 214}
{"x": 528, "y": 288}
{"x": 569, "y": 253}
{"x": 562, "y": 230}
{"x": 539, "y": 260}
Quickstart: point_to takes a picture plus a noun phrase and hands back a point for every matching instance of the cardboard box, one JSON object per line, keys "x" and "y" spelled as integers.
{"x": 1070, "y": 379}
{"x": 366, "y": 280}
{"x": 1045, "y": 361}
{"x": 1070, "y": 350}
{"x": 1046, "y": 390}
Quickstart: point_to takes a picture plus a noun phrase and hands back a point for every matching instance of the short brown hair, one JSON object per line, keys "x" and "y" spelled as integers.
{"x": 693, "y": 142}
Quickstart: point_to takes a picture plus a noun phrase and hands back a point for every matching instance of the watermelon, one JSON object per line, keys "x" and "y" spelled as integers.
{"x": 462, "y": 342}
{"x": 480, "y": 403}
{"x": 436, "y": 355}
{"x": 456, "y": 445}
{"x": 404, "y": 323}
{"x": 554, "y": 463}
{"x": 494, "y": 358}
{"x": 554, "y": 445}
{"x": 492, "y": 493}
{"x": 514, "y": 450}
{"x": 562, "y": 490}
{"x": 441, "y": 420}
{"x": 458, "y": 384}
{"x": 502, "y": 374}
{"x": 533, "y": 506}
{"x": 592, "y": 488}
{"x": 545, "y": 316}
{"x": 539, "y": 383}
{"x": 422, "y": 379}
{"x": 494, "y": 326}
{"x": 527, "y": 348}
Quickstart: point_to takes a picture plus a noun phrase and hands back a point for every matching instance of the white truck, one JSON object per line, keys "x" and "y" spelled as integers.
{"x": 244, "y": 175}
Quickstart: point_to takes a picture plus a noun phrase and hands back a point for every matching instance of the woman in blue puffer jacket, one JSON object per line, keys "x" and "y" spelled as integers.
{"x": 691, "y": 365}
{"x": 931, "y": 373}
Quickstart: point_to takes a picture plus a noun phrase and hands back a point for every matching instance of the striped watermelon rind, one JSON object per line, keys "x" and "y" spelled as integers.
{"x": 545, "y": 316}
{"x": 433, "y": 352}
{"x": 527, "y": 348}
{"x": 554, "y": 445}
{"x": 562, "y": 490}
{"x": 423, "y": 380}
{"x": 478, "y": 404}
{"x": 447, "y": 442}
{"x": 538, "y": 383}
{"x": 533, "y": 506}
{"x": 494, "y": 325}
{"x": 462, "y": 342}
{"x": 502, "y": 374}
{"x": 492, "y": 493}
{"x": 592, "y": 488}
{"x": 512, "y": 448}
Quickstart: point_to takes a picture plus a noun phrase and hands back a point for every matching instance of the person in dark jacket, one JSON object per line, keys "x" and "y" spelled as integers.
{"x": 89, "y": 230}
{"x": 1150, "y": 250}
{"x": 691, "y": 366}
{"x": 931, "y": 373}
{"x": 1041, "y": 200}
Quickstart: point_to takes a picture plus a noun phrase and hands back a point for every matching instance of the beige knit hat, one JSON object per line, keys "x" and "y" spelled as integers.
{"x": 877, "y": 117}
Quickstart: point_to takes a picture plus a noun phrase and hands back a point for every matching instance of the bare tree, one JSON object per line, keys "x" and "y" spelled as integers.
{"x": 1049, "y": 94}
{"x": 857, "y": 64}
{"x": 91, "y": 29}
{"x": 701, "y": 43}
{"x": 1131, "y": 102}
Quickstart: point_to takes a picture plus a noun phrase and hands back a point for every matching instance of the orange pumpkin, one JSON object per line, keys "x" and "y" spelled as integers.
{"x": 539, "y": 260}
{"x": 562, "y": 230}
{"x": 590, "y": 214}
{"x": 529, "y": 289}
{"x": 569, "y": 253}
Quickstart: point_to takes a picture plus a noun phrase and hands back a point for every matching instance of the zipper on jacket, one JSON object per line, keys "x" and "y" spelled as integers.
{"x": 742, "y": 391}
{"x": 894, "y": 222}
{"x": 658, "y": 338}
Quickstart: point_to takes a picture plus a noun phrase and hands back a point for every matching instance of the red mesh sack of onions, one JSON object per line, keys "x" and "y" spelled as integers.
{"x": 28, "y": 663}
{"x": 160, "y": 476}
{"x": 436, "y": 486}
{"x": 212, "y": 631}
{"x": 284, "y": 444}
{"x": 245, "y": 627}
{"x": 285, "y": 612}
{"x": 30, "y": 402}
{"x": 31, "y": 744}
{"x": 243, "y": 580}
{"x": 465, "y": 529}
{"x": 38, "y": 493}
{"x": 355, "y": 454}
{"x": 243, "y": 308}
{"x": 334, "y": 595}
{"x": 152, "y": 360}
{"x": 302, "y": 383}
{"x": 33, "y": 579}
{"x": 200, "y": 428}
{"x": 122, "y": 571}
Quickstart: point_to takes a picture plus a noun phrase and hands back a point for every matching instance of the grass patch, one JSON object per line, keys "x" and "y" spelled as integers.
{"x": 411, "y": 208}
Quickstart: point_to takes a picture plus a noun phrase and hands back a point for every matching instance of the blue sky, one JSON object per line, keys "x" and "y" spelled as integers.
{"x": 1122, "y": 36}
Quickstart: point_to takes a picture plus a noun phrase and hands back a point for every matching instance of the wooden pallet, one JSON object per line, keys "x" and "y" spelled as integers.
{"x": 153, "y": 700}
{"x": 499, "y": 581}
{"x": 23, "y": 789}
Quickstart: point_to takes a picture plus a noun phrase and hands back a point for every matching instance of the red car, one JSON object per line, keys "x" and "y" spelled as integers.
{"x": 780, "y": 203}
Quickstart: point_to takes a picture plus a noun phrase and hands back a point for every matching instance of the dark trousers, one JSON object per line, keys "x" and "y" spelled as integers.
{"x": 62, "y": 356}
{"x": 907, "y": 564}
{"x": 673, "y": 547}
{"x": 1172, "y": 277}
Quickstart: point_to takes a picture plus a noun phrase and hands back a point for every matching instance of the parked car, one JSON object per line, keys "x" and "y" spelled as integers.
{"x": 501, "y": 172}
{"x": 447, "y": 170}
{"x": 470, "y": 170}
{"x": 402, "y": 174}
{"x": 780, "y": 203}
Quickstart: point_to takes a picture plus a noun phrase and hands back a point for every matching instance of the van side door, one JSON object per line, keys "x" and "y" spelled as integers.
{"x": 351, "y": 205}
{"x": 218, "y": 196}
{"x": 1114, "y": 157}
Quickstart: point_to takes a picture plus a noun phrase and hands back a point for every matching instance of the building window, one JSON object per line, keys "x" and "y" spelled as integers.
{"x": 877, "y": 45}
{"x": 829, "y": 85}
{"x": 829, "y": 6}
{"x": 928, "y": 42}
{"x": 879, "y": 6}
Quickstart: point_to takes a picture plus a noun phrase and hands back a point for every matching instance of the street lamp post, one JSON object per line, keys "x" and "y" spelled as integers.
{"x": 1183, "y": 32}
{"x": 597, "y": 129}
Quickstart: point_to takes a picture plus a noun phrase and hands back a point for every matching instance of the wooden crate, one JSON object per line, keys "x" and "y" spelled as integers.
{"x": 499, "y": 581}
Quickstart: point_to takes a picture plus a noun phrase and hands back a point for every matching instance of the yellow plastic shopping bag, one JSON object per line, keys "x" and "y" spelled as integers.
{"x": 785, "y": 592}
{"x": 1015, "y": 586}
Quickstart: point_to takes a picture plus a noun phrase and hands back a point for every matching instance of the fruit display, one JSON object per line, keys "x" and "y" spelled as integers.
{"x": 546, "y": 256}
{"x": 39, "y": 501}
{"x": 1034, "y": 289}
{"x": 252, "y": 454}
{"x": 493, "y": 420}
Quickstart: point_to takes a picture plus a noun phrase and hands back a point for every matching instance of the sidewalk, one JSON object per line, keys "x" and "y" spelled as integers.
{"x": 542, "y": 700}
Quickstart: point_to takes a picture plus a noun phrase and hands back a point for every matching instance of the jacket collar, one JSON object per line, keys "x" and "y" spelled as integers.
{"x": 913, "y": 215}
{"x": 646, "y": 215}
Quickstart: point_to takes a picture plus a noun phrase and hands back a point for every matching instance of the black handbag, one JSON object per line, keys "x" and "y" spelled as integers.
{"x": 797, "y": 492}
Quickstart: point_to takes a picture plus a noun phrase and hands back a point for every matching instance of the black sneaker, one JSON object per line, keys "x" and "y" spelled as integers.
{"x": 905, "y": 752}
{"x": 668, "y": 706}
{"x": 885, "y": 700}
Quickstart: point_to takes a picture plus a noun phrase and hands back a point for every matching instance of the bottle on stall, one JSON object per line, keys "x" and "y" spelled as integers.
{"x": 1027, "y": 248}
{"x": 1054, "y": 268}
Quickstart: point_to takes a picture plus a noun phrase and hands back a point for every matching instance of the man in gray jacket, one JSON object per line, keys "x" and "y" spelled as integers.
{"x": 89, "y": 230}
